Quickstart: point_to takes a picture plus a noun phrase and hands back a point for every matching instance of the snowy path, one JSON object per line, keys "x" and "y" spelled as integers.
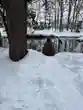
{"x": 73, "y": 62}
{"x": 38, "y": 82}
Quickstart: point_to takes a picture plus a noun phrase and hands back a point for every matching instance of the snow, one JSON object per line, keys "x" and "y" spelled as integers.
{"x": 69, "y": 34}
{"x": 78, "y": 48}
{"x": 30, "y": 30}
{"x": 81, "y": 38}
{"x": 59, "y": 34}
{"x": 41, "y": 82}
{"x": 3, "y": 33}
{"x": 47, "y": 32}
{"x": 43, "y": 32}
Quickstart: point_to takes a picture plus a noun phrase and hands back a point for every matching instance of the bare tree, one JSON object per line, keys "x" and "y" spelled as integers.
{"x": 61, "y": 15}
{"x": 73, "y": 22}
{"x": 55, "y": 14}
{"x": 46, "y": 9}
{"x": 69, "y": 13}
{"x": 78, "y": 9}
{"x": 58, "y": 17}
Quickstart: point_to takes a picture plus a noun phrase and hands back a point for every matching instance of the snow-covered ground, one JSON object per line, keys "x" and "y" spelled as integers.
{"x": 41, "y": 83}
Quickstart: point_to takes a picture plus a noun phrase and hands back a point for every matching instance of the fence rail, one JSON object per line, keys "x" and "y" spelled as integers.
{"x": 62, "y": 44}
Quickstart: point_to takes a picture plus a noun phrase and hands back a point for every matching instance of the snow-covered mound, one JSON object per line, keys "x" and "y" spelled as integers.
{"x": 39, "y": 82}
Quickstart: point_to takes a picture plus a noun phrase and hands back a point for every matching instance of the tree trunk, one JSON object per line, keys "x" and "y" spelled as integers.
{"x": 46, "y": 6}
{"x": 61, "y": 16}
{"x": 78, "y": 10}
{"x": 69, "y": 13}
{"x": 58, "y": 18}
{"x": 55, "y": 15}
{"x": 73, "y": 22}
{"x": 16, "y": 15}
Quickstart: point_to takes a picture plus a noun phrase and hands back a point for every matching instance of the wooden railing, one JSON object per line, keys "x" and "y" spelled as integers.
{"x": 62, "y": 44}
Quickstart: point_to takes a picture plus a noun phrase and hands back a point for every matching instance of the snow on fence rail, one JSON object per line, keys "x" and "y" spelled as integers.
{"x": 58, "y": 34}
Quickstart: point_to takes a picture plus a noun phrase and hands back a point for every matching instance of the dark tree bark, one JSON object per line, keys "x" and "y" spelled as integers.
{"x": 46, "y": 9}
{"x": 73, "y": 22}
{"x": 58, "y": 19}
{"x": 78, "y": 8}
{"x": 61, "y": 16}
{"x": 16, "y": 16}
{"x": 69, "y": 13}
{"x": 55, "y": 15}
